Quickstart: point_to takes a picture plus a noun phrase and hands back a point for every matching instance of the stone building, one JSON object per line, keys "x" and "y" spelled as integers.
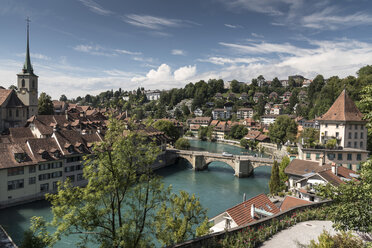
{"x": 344, "y": 124}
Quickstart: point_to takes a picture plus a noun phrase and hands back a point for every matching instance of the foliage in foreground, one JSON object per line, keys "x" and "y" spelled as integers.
{"x": 123, "y": 200}
{"x": 32, "y": 241}
{"x": 339, "y": 240}
{"x": 353, "y": 202}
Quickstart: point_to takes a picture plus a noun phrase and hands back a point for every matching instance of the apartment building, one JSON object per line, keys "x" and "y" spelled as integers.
{"x": 343, "y": 123}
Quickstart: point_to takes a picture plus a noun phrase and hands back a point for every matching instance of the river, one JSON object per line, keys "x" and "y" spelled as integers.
{"x": 217, "y": 189}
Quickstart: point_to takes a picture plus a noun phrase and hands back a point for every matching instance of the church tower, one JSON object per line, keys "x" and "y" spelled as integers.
{"x": 28, "y": 83}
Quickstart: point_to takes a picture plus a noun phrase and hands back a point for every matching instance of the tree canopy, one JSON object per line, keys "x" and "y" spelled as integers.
{"x": 283, "y": 129}
{"x": 122, "y": 200}
{"x": 45, "y": 104}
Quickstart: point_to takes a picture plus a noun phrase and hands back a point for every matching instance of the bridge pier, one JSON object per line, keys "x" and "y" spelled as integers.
{"x": 198, "y": 162}
{"x": 243, "y": 168}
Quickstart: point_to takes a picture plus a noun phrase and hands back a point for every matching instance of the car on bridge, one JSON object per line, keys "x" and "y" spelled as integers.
{"x": 226, "y": 154}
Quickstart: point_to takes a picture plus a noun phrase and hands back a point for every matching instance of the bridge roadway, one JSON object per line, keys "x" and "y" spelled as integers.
{"x": 243, "y": 165}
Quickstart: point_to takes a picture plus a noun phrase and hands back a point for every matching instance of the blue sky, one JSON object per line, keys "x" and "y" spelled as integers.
{"x": 83, "y": 47}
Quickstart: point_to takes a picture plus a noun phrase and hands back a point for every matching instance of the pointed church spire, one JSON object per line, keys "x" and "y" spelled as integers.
{"x": 27, "y": 67}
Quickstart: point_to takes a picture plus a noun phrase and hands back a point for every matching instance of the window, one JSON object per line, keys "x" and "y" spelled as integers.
{"x": 32, "y": 169}
{"x": 43, "y": 177}
{"x": 350, "y": 166}
{"x": 326, "y": 133}
{"x": 326, "y": 125}
{"x": 15, "y": 171}
{"x": 355, "y": 144}
{"x": 355, "y": 135}
{"x": 15, "y": 184}
{"x": 44, "y": 187}
{"x": 356, "y": 127}
{"x": 71, "y": 178}
{"x": 349, "y": 144}
{"x": 361, "y": 144}
{"x": 361, "y": 127}
{"x": 308, "y": 155}
{"x": 69, "y": 168}
{"x": 55, "y": 185}
{"x": 44, "y": 167}
{"x": 359, "y": 156}
{"x": 339, "y": 156}
{"x": 79, "y": 167}
{"x": 32, "y": 180}
{"x": 349, "y": 156}
{"x": 23, "y": 83}
{"x": 337, "y": 134}
{"x": 358, "y": 167}
{"x": 350, "y": 127}
{"x": 331, "y": 156}
{"x": 349, "y": 135}
{"x": 56, "y": 165}
{"x": 79, "y": 177}
{"x": 73, "y": 159}
{"x": 317, "y": 156}
{"x": 336, "y": 125}
{"x": 56, "y": 174}
{"x": 362, "y": 135}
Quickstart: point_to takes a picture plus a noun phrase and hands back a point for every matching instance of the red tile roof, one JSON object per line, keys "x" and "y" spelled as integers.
{"x": 241, "y": 213}
{"x": 330, "y": 177}
{"x": 343, "y": 109}
{"x": 4, "y": 94}
{"x": 291, "y": 202}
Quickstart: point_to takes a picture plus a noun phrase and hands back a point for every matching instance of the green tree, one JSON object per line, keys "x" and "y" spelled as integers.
{"x": 235, "y": 86}
{"x": 244, "y": 143}
{"x": 332, "y": 143}
{"x": 276, "y": 83}
{"x": 282, "y": 130}
{"x": 185, "y": 110}
{"x": 168, "y": 128}
{"x": 310, "y": 136}
{"x": 205, "y": 133}
{"x": 274, "y": 183}
{"x": 178, "y": 218}
{"x": 119, "y": 205}
{"x": 238, "y": 131}
{"x": 182, "y": 143}
{"x": 365, "y": 106}
{"x": 352, "y": 202}
{"x": 282, "y": 176}
{"x": 45, "y": 104}
{"x": 32, "y": 241}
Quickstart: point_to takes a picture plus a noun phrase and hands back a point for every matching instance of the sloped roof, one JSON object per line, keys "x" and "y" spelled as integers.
{"x": 343, "y": 109}
{"x": 302, "y": 167}
{"x": 4, "y": 94}
{"x": 291, "y": 202}
{"x": 241, "y": 213}
{"x": 330, "y": 177}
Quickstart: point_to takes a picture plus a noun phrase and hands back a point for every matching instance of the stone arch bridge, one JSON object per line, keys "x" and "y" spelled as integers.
{"x": 243, "y": 165}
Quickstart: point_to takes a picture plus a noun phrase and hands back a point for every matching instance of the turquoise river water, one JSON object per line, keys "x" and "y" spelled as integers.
{"x": 217, "y": 188}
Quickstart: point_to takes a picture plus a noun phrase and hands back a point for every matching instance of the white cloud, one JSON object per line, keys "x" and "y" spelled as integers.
{"x": 257, "y": 35}
{"x": 329, "y": 18}
{"x": 95, "y": 7}
{"x": 178, "y": 52}
{"x": 163, "y": 76}
{"x": 265, "y": 48}
{"x": 232, "y": 26}
{"x": 102, "y": 51}
{"x": 151, "y": 22}
{"x": 184, "y": 73}
{"x": 34, "y": 55}
{"x": 224, "y": 60}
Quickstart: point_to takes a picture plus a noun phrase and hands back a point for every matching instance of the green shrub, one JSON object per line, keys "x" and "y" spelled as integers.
{"x": 340, "y": 240}
{"x": 182, "y": 143}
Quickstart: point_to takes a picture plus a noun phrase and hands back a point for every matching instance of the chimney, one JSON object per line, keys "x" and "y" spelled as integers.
{"x": 321, "y": 160}
{"x": 334, "y": 168}
{"x": 252, "y": 211}
{"x": 244, "y": 197}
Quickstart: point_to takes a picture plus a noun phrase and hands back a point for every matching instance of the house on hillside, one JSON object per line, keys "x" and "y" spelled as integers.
{"x": 198, "y": 112}
{"x": 257, "y": 96}
{"x": 254, "y": 209}
{"x": 244, "y": 113}
{"x": 344, "y": 124}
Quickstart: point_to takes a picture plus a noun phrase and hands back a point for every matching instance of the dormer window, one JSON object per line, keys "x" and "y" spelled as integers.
{"x": 20, "y": 157}
{"x": 71, "y": 149}
{"x": 44, "y": 154}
